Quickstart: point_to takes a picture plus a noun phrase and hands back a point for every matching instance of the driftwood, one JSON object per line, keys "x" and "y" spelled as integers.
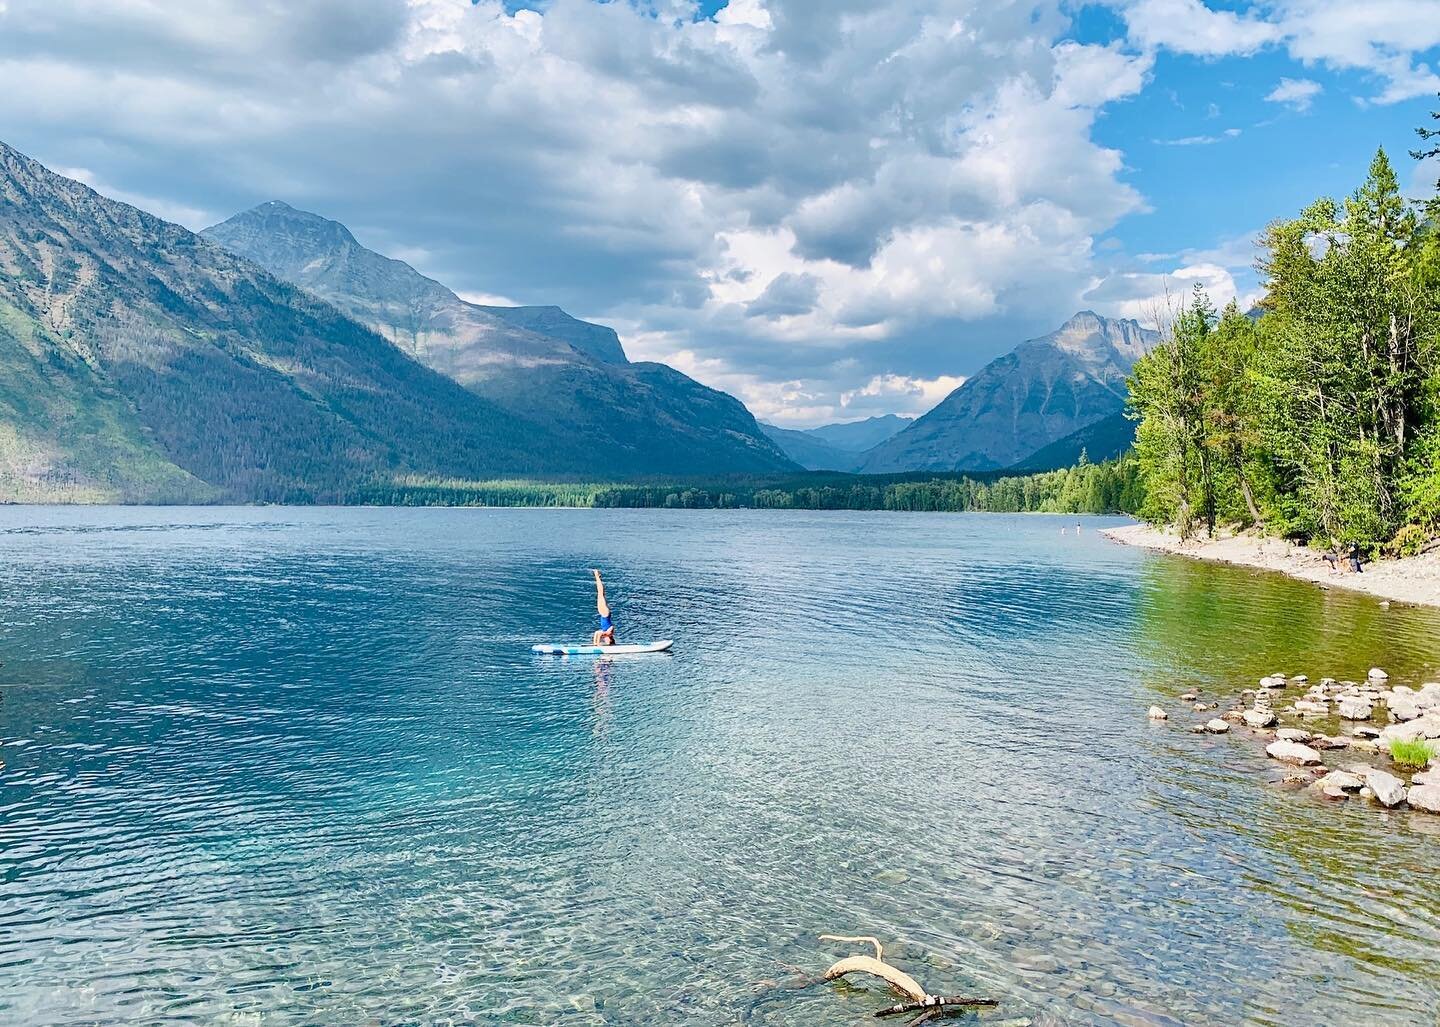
{"x": 929, "y": 1006}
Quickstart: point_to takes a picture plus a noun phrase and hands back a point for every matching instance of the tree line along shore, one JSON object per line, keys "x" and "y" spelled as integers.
{"x": 1315, "y": 417}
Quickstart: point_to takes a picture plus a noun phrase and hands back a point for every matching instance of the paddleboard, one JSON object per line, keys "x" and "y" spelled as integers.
{"x": 601, "y": 650}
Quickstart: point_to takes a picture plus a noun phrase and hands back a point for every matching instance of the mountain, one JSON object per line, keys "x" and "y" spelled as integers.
{"x": 1039, "y": 392}
{"x": 140, "y": 362}
{"x": 858, "y": 436}
{"x": 811, "y": 452}
{"x": 1105, "y": 439}
{"x": 538, "y": 362}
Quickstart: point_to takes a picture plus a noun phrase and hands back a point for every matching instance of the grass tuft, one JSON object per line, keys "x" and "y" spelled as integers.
{"x": 1411, "y": 753}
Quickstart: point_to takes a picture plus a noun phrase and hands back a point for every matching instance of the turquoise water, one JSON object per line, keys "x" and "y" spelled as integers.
{"x": 298, "y": 766}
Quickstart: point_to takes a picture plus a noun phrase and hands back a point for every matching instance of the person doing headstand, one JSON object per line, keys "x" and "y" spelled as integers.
{"x": 606, "y": 634}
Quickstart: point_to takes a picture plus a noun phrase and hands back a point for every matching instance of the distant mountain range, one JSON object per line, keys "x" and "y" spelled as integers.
{"x": 835, "y": 447}
{"x": 141, "y": 362}
{"x": 538, "y": 362}
{"x": 274, "y": 358}
{"x": 1038, "y": 393}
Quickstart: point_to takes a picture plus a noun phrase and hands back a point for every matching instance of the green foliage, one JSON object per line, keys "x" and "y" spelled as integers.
{"x": 1320, "y": 421}
{"x": 1411, "y": 753}
{"x": 1111, "y": 487}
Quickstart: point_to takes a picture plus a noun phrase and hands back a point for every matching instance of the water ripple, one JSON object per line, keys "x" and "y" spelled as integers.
{"x": 305, "y": 770}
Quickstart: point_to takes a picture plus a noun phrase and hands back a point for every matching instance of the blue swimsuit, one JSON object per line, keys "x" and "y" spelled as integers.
{"x": 606, "y": 623}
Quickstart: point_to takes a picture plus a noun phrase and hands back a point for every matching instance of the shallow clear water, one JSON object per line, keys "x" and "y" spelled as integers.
{"x": 298, "y": 765}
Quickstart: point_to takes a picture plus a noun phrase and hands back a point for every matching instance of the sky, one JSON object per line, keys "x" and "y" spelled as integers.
{"x": 830, "y": 209}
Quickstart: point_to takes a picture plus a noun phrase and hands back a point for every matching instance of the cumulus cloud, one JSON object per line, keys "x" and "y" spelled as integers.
{"x": 1298, "y": 93}
{"x": 895, "y": 393}
{"x": 787, "y": 199}
{"x": 1386, "y": 38}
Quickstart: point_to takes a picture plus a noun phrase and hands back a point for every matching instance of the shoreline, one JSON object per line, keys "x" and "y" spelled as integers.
{"x": 1411, "y": 579}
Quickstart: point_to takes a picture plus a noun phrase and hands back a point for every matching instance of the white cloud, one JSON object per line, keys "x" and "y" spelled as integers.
{"x": 893, "y": 393}
{"x": 1188, "y": 26}
{"x": 1386, "y": 38}
{"x": 1298, "y": 93}
{"x": 1151, "y": 297}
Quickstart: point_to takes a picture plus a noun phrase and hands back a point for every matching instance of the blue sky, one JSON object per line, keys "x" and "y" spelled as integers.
{"x": 831, "y": 209}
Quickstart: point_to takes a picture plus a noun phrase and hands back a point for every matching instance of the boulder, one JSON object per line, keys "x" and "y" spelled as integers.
{"x": 1217, "y": 726}
{"x": 1403, "y": 709}
{"x": 1340, "y": 779}
{"x": 1329, "y": 742}
{"x": 1425, "y": 798}
{"x": 1156, "y": 713}
{"x": 1366, "y": 732}
{"x": 1427, "y": 777}
{"x": 1387, "y": 789}
{"x": 1259, "y": 718}
{"x": 1292, "y": 752}
{"x": 1293, "y": 734}
{"x": 1376, "y": 674}
{"x": 1356, "y": 708}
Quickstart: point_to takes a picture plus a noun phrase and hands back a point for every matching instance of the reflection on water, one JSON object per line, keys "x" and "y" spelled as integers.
{"x": 304, "y": 769}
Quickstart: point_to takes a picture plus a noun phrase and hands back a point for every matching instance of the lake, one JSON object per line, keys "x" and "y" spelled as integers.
{"x": 291, "y": 765}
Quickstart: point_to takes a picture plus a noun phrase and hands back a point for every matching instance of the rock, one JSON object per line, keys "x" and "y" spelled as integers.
{"x": 1359, "y": 769}
{"x": 1188, "y": 697}
{"x": 1203, "y": 707}
{"x": 1292, "y": 752}
{"x": 1309, "y": 706}
{"x": 1424, "y": 727}
{"x": 1403, "y": 709}
{"x": 1365, "y": 745}
{"x": 1333, "y": 792}
{"x": 1156, "y": 713}
{"x": 1356, "y": 709}
{"x": 1293, "y": 734}
{"x": 1329, "y": 742}
{"x": 1217, "y": 726}
{"x": 1387, "y": 789}
{"x": 1376, "y": 674}
{"x": 1425, "y": 798}
{"x": 1233, "y": 716}
{"x": 1197, "y": 729}
{"x": 1259, "y": 718}
{"x": 1366, "y": 732}
{"x": 1341, "y": 779}
{"x": 1300, "y": 679}
{"x": 1427, "y": 777}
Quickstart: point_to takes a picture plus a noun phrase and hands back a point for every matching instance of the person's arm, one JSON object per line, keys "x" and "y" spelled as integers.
{"x": 601, "y": 606}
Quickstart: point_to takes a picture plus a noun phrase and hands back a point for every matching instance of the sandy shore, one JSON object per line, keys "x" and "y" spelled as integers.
{"x": 1414, "y": 579}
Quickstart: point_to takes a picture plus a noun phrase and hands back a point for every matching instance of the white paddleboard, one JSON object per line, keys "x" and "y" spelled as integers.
{"x": 601, "y": 650}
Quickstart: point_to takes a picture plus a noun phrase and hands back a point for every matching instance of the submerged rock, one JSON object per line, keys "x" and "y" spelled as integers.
{"x": 1386, "y": 789}
{"x": 1292, "y": 752}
